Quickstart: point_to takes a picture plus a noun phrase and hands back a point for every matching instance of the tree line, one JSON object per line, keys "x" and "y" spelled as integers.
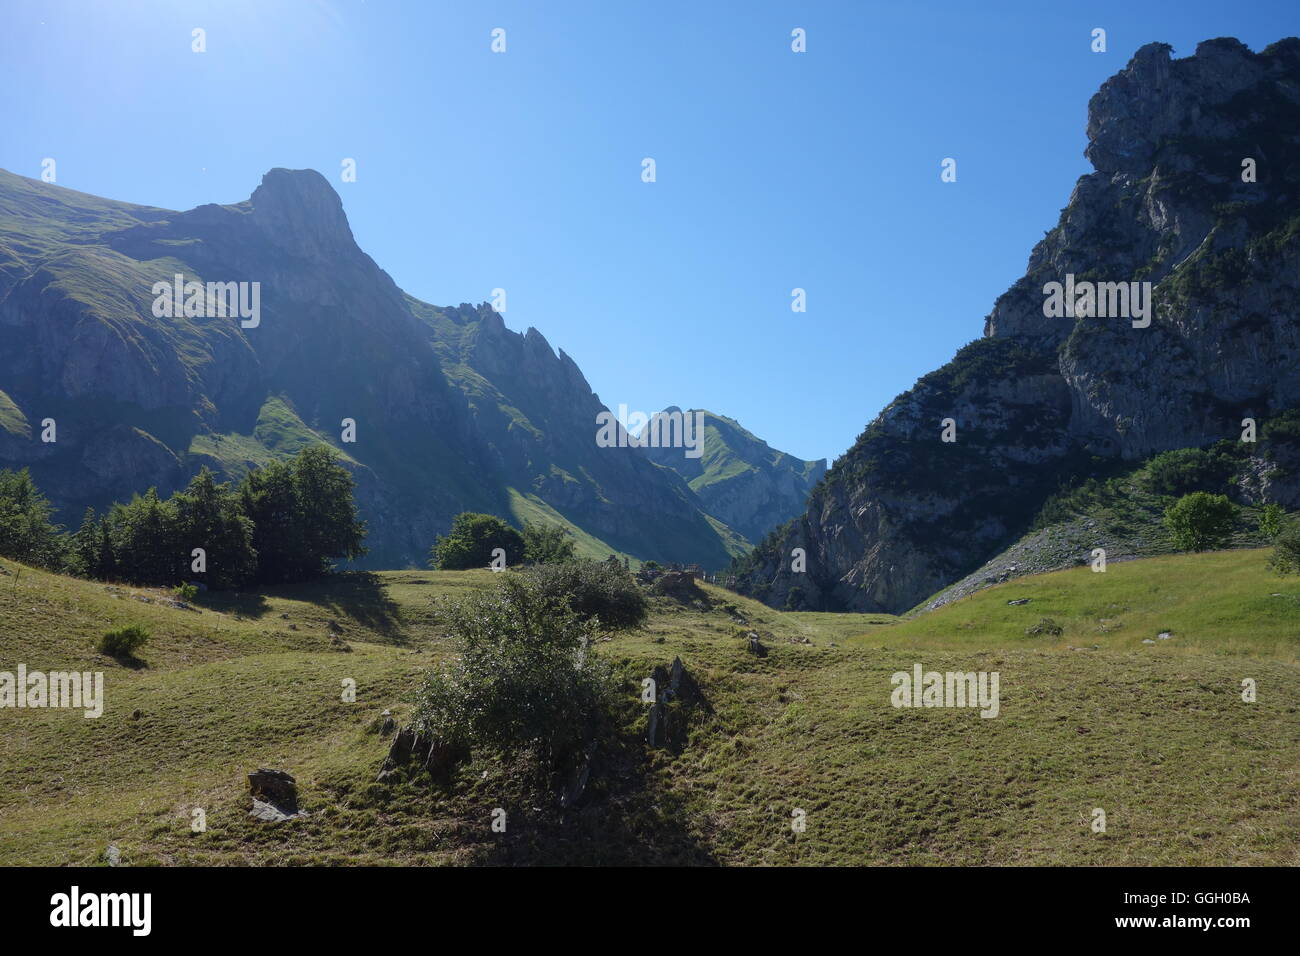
{"x": 286, "y": 521}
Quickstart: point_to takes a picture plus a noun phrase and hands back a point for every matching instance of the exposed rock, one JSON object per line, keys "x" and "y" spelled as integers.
{"x": 275, "y": 795}
{"x": 679, "y": 585}
{"x": 677, "y": 698}
{"x": 904, "y": 514}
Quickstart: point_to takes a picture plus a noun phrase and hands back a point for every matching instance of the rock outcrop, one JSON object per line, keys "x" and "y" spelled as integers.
{"x": 1174, "y": 202}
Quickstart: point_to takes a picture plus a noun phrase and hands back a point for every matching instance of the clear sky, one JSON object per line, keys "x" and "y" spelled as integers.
{"x": 522, "y": 170}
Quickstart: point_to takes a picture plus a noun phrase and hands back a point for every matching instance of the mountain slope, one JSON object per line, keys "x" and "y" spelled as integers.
{"x": 452, "y": 410}
{"x": 738, "y": 478}
{"x": 1038, "y": 400}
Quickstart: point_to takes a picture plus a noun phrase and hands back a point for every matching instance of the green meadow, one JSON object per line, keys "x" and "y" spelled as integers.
{"x": 1155, "y": 735}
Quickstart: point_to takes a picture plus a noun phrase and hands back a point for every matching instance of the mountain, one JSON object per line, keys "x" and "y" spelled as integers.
{"x": 1196, "y": 190}
{"x": 738, "y": 478}
{"x": 451, "y": 410}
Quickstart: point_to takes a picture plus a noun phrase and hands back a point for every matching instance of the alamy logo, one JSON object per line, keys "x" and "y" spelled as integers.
{"x": 953, "y": 689}
{"x": 214, "y": 300}
{"x": 103, "y": 909}
{"x": 37, "y": 689}
{"x": 669, "y": 429}
{"x": 1098, "y": 300}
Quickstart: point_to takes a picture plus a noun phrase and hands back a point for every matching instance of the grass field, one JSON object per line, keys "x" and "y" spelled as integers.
{"x": 1156, "y": 735}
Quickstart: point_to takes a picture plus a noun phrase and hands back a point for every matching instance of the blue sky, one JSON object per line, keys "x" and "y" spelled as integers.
{"x": 522, "y": 170}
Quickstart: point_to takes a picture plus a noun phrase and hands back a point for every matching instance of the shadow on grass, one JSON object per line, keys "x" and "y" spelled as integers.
{"x": 627, "y": 817}
{"x": 358, "y": 595}
{"x": 129, "y": 661}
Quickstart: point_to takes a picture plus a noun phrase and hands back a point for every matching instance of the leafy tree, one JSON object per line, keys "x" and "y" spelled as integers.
{"x": 331, "y": 527}
{"x": 26, "y": 532}
{"x": 269, "y": 499}
{"x": 303, "y": 514}
{"x": 146, "y": 546}
{"x": 208, "y": 517}
{"x": 471, "y": 541}
{"x": 1272, "y": 517}
{"x": 1200, "y": 521}
{"x": 547, "y": 544}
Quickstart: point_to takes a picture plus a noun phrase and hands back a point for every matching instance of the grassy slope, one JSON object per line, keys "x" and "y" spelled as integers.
{"x": 1155, "y": 734}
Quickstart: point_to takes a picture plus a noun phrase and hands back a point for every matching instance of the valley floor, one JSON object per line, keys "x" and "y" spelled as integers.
{"x": 1156, "y": 735}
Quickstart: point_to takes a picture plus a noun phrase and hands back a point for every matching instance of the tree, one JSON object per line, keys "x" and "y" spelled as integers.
{"x": 1272, "y": 517}
{"x": 208, "y": 517}
{"x": 1201, "y": 521}
{"x": 268, "y": 498}
{"x": 146, "y": 547}
{"x": 26, "y": 532}
{"x": 547, "y": 544}
{"x": 330, "y": 527}
{"x": 84, "y": 553}
{"x": 471, "y": 541}
{"x": 303, "y": 514}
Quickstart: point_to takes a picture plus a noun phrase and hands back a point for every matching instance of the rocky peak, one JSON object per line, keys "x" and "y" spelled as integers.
{"x": 299, "y": 208}
{"x": 1156, "y": 97}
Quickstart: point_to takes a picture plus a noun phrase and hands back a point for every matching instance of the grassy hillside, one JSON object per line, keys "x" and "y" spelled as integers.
{"x": 1157, "y": 735}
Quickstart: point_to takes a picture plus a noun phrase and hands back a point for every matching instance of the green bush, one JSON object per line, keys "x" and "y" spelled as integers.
{"x": 472, "y": 539}
{"x": 1200, "y": 521}
{"x": 1286, "y": 551}
{"x": 1272, "y": 518}
{"x": 547, "y": 544}
{"x": 600, "y": 591}
{"x": 525, "y": 683}
{"x": 124, "y": 641}
{"x": 1186, "y": 470}
{"x": 187, "y": 592}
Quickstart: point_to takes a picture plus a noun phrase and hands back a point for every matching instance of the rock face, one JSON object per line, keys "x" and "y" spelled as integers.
{"x": 453, "y": 411}
{"x": 904, "y": 513}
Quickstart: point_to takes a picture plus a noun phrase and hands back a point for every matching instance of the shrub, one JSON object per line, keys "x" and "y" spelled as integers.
{"x": 1186, "y": 470}
{"x": 547, "y": 544}
{"x": 187, "y": 592}
{"x": 601, "y": 591}
{"x": 1200, "y": 521}
{"x": 471, "y": 541}
{"x": 124, "y": 641}
{"x": 525, "y": 682}
{"x": 1272, "y": 517}
{"x": 1286, "y": 552}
